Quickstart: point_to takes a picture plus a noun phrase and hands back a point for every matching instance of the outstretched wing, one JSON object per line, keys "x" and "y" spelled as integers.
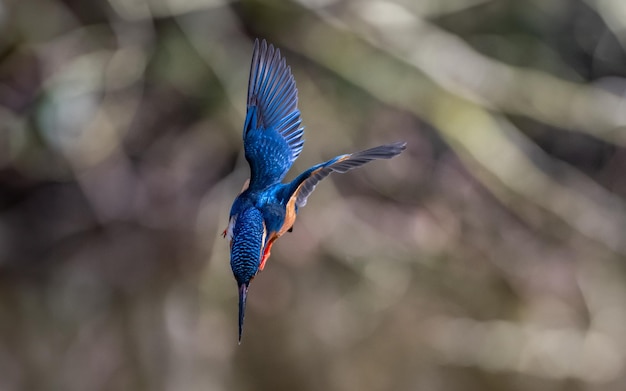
{"x": 272, "y": 133}
{"x": 302, "y": 187}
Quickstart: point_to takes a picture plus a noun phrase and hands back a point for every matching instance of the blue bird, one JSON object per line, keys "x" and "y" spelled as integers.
{"x": 272, "y": 139}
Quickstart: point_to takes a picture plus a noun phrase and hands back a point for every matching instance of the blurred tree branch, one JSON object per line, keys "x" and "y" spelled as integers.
{"x": 460, "y": 70}
{"x": 614, "y": 14}
{"x": 496, "y": 152}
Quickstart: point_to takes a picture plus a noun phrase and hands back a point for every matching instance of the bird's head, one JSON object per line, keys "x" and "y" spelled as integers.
{"x": 246, "y": 233}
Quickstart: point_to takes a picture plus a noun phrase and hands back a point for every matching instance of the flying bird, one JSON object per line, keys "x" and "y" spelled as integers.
{"x": 272, "y": 140}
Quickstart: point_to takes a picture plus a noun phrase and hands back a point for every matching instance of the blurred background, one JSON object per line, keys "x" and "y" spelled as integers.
{"x": 488, "y": 256}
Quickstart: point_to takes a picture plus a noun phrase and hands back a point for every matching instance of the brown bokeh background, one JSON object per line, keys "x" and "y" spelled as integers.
{"x": 488, "y": 256}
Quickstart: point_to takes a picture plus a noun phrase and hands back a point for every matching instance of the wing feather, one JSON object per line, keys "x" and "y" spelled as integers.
{"x": 273, "y": 132}
{"x": 304, "y": 184}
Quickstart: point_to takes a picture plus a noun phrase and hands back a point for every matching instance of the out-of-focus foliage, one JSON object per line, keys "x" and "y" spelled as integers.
{"x": 489, "y": 256}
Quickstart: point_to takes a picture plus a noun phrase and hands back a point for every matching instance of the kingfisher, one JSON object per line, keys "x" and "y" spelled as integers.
{"x": 273, "y": 133}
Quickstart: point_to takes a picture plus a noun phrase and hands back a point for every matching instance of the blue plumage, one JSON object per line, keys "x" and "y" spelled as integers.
{"x": 273, "y": 140}
{"x": 272, "y": 133}
{"x": 246, "y": 246}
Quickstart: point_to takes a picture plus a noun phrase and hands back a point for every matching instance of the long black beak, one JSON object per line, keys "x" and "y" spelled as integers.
{"x": 243, "y": 293}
